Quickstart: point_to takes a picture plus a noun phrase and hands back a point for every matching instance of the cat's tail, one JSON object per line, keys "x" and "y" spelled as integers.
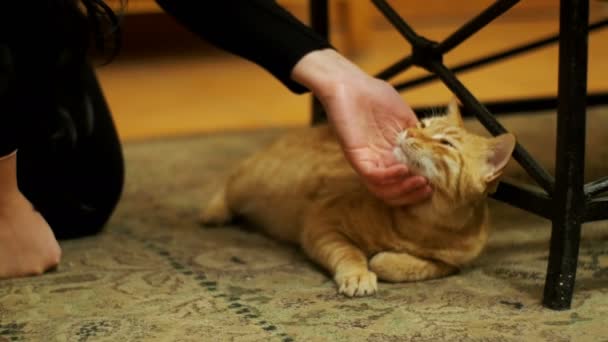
{"x": 216, "y": 212}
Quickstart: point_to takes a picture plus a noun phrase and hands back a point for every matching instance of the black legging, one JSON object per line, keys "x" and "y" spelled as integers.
{"x": 52, "y": 110}
{"x": 74, "y": 176}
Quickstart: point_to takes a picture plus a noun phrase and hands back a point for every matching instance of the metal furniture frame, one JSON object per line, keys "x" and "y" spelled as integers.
{"x": 564, "y": 199}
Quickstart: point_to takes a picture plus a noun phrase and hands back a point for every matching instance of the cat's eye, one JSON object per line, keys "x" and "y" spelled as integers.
{"x": 446, "y": 142}
{"x": 422, "y": 124}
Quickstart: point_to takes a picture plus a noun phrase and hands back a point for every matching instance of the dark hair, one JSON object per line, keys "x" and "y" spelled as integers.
{"x": 104, "y": 26}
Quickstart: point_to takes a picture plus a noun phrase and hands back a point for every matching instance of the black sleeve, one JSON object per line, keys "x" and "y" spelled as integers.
{"x": 8, "y": 129}
{"x": 260, "y": 31}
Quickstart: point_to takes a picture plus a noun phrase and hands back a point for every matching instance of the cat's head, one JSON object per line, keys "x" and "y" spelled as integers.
{"x": 459, "y": 165}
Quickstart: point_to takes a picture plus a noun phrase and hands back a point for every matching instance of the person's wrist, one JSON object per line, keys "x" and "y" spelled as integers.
{"x": 324, "y": 71}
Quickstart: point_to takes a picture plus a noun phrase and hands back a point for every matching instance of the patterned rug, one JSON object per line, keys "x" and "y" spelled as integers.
{"x": 155, "y": 275}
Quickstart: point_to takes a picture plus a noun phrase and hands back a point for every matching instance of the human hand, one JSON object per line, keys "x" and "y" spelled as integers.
{"x": 367, "y": 114}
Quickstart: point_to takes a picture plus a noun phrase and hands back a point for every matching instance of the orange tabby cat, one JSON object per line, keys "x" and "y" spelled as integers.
{"x": 302, "y": 190}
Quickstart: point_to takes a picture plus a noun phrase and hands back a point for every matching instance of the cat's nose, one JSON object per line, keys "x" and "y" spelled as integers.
{"x": 411, "y": 133}
{"x": 408, "y": 134}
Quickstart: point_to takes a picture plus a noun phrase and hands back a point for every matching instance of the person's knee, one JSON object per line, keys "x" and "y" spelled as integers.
{"x": 81, "y": 221}
{"x": 88, "y": 214}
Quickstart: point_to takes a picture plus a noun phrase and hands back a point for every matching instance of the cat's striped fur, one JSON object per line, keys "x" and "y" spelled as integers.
{"x": 301, "y": 190}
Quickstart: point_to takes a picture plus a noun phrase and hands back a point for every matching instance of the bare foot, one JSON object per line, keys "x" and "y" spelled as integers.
{"x": 27, "y": 243}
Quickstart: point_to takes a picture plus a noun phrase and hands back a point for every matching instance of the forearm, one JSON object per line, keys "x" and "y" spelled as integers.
{"x": 324, "y": 71}
{"x": 258, "y": 30}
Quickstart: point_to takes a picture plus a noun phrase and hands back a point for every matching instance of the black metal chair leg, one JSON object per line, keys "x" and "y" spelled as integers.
{"x": 569, "y": 198}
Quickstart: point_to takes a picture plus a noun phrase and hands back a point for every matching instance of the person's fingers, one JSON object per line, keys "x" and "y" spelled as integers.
{"x": 395, "y": 185}
{"x": 411, "y": 119}
{"x": 413, "y": 197}
{"x": 379, "y": 176}
{"x": 396, "y": 191}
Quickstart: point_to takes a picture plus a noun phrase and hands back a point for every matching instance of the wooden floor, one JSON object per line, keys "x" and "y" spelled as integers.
{"x": 168, "y": 83}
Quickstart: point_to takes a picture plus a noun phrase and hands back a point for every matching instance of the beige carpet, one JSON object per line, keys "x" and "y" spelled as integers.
{"x": 155, "y": 275}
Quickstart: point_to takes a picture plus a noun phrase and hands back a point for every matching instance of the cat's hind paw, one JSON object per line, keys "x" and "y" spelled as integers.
{"x": 357, "y": 284}
{"x": 216, "y": 212}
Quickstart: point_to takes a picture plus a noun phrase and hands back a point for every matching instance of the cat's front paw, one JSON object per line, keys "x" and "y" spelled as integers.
{"x": 357, "y": 284}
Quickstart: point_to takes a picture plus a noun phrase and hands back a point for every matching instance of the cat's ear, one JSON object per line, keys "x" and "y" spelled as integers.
{"x": 501, "y": 148}
{"x": 453, "y": 113}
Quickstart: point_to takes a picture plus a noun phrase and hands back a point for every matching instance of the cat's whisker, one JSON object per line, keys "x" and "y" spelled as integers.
{"x": 436, "y": 112}
{"x": 395, "y": 132}
{"x": 401, "y": 136}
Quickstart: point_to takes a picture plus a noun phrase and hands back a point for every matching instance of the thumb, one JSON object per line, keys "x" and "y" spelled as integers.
{"x": 410, "y": 117}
